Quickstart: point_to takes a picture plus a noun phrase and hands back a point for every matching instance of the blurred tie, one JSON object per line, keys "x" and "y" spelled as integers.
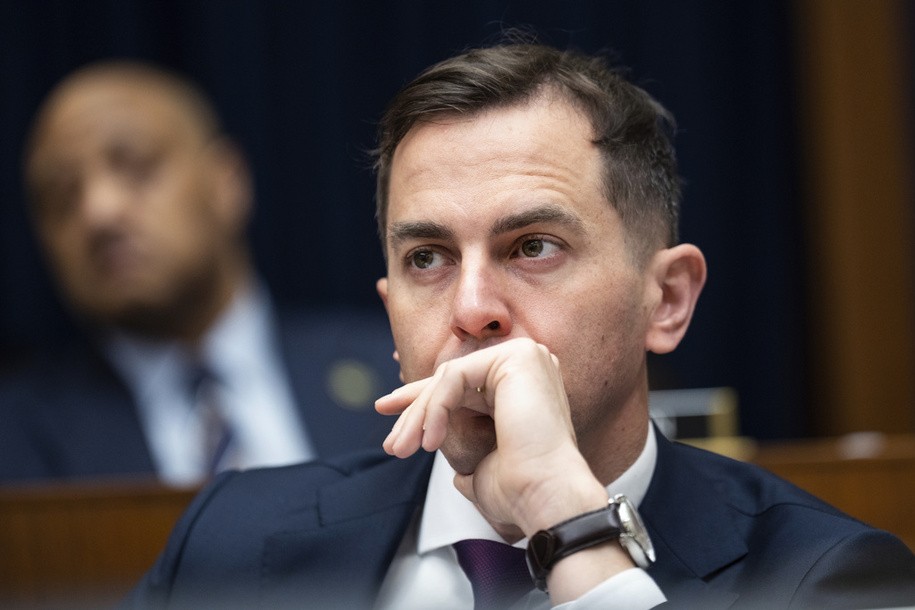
{"x": 498, "y": 573}
{"x": 217, "y": 434}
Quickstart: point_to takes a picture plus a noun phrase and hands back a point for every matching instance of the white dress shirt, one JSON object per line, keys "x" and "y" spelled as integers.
{"x": 253, "y": 393}
{"x": 425, "y": 572}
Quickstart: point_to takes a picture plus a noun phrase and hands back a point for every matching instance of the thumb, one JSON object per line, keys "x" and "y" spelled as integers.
{"x": 464, "y": 484}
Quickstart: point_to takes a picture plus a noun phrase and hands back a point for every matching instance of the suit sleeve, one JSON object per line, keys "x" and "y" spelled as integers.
{"x": 865, "y": 570}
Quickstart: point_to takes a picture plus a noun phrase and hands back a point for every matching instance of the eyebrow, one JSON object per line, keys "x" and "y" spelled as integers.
{"x": 403, "y": 231}
{"x": 544, "y": 213}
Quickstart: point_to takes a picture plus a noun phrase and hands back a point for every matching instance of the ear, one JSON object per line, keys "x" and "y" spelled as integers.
{"x": 233, "y": 188}
{"x": 382, "y": 287}
{"x": 677, "y": 276}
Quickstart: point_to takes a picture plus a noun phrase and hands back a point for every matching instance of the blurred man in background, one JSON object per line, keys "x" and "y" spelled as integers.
{"x": 141, "y": 203}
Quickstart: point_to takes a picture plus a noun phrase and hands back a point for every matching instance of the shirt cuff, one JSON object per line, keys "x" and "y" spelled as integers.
{"x": 631, "y": 589}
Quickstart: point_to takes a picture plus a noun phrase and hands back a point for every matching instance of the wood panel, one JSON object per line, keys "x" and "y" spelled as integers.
{"x": 854, "y": 83}
{"x": 81, "y": 545}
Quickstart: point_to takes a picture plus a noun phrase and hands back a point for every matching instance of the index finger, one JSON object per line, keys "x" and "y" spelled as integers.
{"x": 397, "y": 401}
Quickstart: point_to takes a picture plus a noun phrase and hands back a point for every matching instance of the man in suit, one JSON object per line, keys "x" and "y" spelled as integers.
{"x": 141, "y": 204}
{"x": 527, "y": 203}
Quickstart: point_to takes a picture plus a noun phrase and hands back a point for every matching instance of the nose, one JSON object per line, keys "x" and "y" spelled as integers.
{"x": 480, "y": 310}
{"x": 102, "y": 202}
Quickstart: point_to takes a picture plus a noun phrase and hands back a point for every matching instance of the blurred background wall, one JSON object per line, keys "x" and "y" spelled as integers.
{"x": 794, "y": 138}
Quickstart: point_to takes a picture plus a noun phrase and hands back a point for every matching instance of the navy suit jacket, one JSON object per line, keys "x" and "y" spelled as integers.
{"x": 70, "y": 415}
{"x": 322, "y": 535}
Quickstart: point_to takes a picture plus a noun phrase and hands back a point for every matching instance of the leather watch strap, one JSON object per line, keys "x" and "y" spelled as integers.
{"x": 547, "y": 547}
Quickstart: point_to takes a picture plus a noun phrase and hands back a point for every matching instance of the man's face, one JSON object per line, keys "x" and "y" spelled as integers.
{"x": 124, "y": 191}
{"x": 498, "y": 228}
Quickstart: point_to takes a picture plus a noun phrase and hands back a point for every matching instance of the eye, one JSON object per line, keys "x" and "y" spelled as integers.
{"x": 532, "y": 247}
{"x": 424, "y": 259}
{"x": 136, "y": 165}
{"x": 536, "y": 247}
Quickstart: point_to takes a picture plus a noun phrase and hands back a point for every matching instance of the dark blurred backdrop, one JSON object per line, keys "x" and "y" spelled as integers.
{"x": 301, "y": 84}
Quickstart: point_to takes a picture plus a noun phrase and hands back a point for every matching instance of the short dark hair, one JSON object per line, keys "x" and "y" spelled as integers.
{"x": 632, "y": 130}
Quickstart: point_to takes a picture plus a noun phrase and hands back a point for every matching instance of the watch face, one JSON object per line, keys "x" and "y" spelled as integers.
{"x": 634, "y": 536}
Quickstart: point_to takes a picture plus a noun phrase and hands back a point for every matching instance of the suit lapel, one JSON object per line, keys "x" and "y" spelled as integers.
{"x": 691, "y": 526}
{"x": 341, "y": 554}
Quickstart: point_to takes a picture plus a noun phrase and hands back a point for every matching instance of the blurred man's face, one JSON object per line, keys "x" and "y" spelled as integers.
{"x": 127, "y": 203}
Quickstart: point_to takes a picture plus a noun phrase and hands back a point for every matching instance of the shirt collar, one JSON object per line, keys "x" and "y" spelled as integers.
{"x": 146, "y": 365}
{"x": 448, "y": 516}
{"x": 240, "y": 342}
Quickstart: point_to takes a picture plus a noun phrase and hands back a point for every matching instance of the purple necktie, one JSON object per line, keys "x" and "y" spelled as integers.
{"x": 497, "y": 572}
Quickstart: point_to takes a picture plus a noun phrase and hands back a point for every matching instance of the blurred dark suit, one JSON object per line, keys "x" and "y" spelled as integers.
{"x": 69, "y": 415}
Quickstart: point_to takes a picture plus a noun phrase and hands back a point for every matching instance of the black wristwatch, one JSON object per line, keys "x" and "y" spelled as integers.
{"x": 618, "y": 520}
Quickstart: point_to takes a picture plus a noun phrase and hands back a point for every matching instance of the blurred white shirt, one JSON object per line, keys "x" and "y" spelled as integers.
{"x": 253, "y": 393}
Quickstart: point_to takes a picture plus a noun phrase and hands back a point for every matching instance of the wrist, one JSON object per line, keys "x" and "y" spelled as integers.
{"x": 555, "y": 500}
